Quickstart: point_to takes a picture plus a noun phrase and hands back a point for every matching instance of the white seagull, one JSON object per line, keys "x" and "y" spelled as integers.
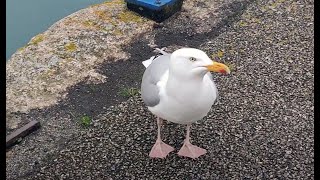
{"x": 179, "y": 88}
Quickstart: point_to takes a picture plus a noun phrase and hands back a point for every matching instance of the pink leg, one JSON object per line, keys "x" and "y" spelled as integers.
{"x": 160, "y": 149}
{"x": 190, "y": 150}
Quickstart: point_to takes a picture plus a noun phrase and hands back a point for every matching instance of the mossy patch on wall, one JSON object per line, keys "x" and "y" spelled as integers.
{"x": 243, "y": 23}
{"x": 70, "y": 47}
{"x": 117, "y": 32}
{"x": 218, "y": 54}
{"x": 129, "y": 16}
{"x": 89, "y": 23}
{"x": 103, "y": 15}
{"x": 37, "y": 39}
{"x": 22, "y": 48}
{"x": 95, "y": 25}
{"x": 110, "y": 3}
{"x": 113, "y": 2}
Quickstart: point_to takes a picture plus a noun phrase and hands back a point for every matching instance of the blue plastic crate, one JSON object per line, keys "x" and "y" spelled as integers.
{"x": 157, "y": 10}
{"x": 152, "y": 4}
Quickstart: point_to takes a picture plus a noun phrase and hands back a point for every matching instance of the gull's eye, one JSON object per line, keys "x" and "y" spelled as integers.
{"x": 192, "y": 59}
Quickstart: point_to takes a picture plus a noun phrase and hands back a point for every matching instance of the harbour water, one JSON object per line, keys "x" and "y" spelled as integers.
{"x": 25, "y": 19}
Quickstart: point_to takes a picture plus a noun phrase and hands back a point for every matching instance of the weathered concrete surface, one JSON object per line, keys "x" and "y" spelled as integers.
{"x": 262, "y": 128}
{"x": 39, "y": 73}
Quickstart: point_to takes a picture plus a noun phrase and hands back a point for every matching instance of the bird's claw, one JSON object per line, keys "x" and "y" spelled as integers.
{"x": 160, "y": 150}
{"x": 191, "y": 151}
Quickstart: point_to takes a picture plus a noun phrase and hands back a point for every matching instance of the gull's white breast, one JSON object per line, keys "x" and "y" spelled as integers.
{"x": 186, "y": 105}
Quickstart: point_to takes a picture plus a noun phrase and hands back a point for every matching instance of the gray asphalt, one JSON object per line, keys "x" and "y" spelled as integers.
{"x": 261, "y": 128}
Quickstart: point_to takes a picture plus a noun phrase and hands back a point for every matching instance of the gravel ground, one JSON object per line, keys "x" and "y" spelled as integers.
{"x": 261, "y": 128}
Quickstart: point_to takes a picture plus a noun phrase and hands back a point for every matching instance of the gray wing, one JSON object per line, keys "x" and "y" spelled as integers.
{"x": 153, "y": 73}
{"x": 217, "y": 93}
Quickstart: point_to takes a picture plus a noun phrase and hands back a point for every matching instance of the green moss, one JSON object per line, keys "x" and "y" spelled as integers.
{"x": 103, "y": 29}
{"x": 129, "y": 16}
{"x": 85, "y": 120}
{"x": 103, "y": 15}
{"x": 273, "y": 5}
{"x": 117, "y": 32}
{"x": 242, "y": 24}
{"x": 89, "y": 23}
{"x": 70, "y": 47}
{"x": 219, "y": 54}
{"x": 129, "y": 92}
{"x": 114, "y": 2}
{"x": 93, "y": 24}
{"x": 110, "y": 2}
{"x": 37, "y": 39}
{"x": 22, "y": 48}
{"x": 230, "y": 66}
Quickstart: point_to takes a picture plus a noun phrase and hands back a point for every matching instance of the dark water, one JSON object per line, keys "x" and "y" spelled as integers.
{"x": 27, "y": 18}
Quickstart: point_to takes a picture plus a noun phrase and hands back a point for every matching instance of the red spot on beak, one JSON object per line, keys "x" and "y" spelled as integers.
{"x": 223, "y": 71}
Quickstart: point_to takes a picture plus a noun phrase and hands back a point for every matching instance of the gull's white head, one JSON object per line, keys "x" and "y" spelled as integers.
{"x": 191, "y": 62}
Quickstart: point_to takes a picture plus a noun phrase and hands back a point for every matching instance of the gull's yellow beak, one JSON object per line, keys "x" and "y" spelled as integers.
{"x": 218, "y": 67}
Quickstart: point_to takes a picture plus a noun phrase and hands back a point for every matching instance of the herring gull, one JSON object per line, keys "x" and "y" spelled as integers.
{"x": 179, "y": 88}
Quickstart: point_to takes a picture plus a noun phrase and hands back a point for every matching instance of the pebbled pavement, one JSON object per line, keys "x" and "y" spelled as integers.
{"x": 261, "y": 128}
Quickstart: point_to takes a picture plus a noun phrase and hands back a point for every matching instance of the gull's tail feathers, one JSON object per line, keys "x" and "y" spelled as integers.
{"x": 147, "y": 62}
